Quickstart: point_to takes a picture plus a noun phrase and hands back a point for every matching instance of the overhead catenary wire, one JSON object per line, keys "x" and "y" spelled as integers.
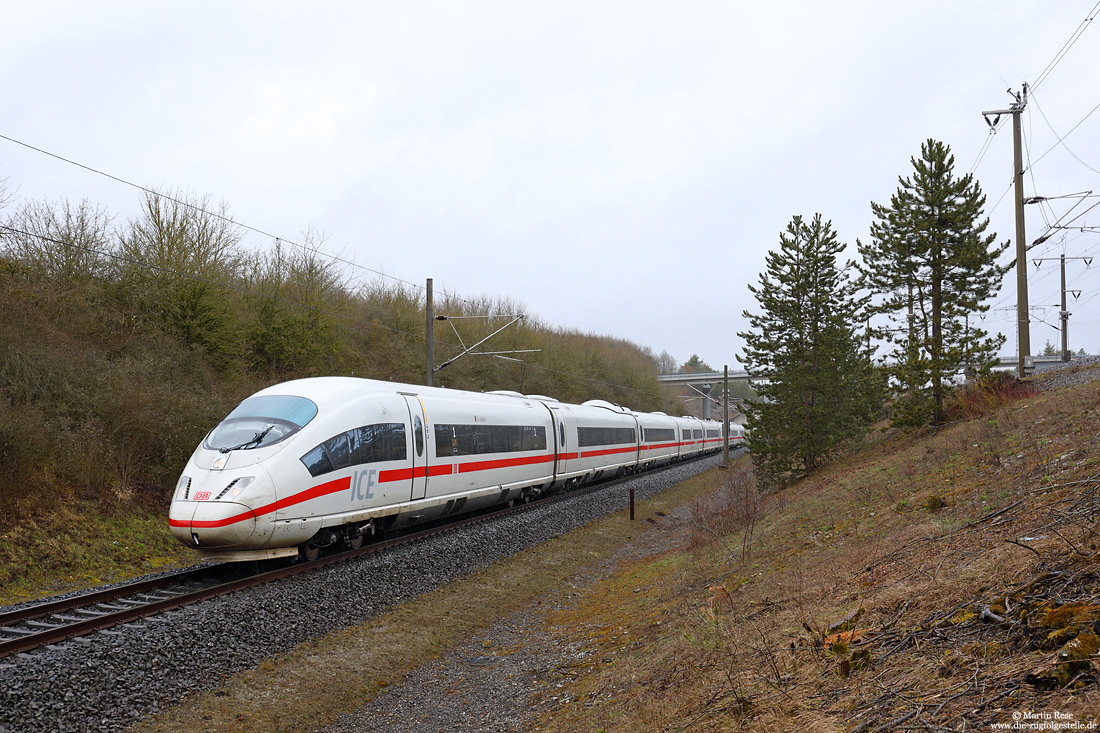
{"x": 1062, "y": 138}
{"x": 995, "y": 125}
{"x": 1030, "y": 169}
{"x": 993, "y": 128}
{"x": 1059, "y": 222}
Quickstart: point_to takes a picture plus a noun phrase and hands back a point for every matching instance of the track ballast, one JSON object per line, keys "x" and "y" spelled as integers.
{"x": 111, "y": 679}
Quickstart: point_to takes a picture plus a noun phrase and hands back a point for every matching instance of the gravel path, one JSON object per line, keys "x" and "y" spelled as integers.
{"x": 1055, "y": 375}
{"x": 500, "y": 680}
{"x": 109, "y": 680}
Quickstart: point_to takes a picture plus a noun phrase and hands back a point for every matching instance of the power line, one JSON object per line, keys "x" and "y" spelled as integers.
{"x": 994, "y": 124}
{"x": 216, "y": 215}
{"x": 247, "y": 291}
{"x": 1074, "y": 37}
{"x": 1031, "y": 170}
{"x": 993, "y": 127}
{"x": 1061, "y": 139}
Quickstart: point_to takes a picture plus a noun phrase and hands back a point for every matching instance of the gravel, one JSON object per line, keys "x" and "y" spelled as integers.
{"x": 500, "y": 680}
{"x": 112, "y": 679}
{"x": 1055, "y": 375}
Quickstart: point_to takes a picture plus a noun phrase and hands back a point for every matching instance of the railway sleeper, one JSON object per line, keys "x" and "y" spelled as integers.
{"x": 46, "y": 625}
{"x": 17, "y": 632}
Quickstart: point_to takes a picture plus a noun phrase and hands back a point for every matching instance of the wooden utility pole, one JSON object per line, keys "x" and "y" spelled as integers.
{"x": 1023, "y": 325}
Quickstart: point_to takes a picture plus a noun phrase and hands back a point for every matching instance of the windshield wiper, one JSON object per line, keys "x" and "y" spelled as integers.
{"x": 255, "y": 439}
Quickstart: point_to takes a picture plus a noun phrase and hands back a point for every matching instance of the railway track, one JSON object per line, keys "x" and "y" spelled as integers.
{"x": 44, "y": 624}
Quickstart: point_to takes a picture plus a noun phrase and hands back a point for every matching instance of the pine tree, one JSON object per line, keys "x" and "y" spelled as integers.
{"x": 932, "y": 266}
{"x": 820, "y": 383}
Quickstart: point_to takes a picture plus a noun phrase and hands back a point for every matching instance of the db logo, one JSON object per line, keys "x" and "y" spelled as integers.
{"x": 202, "y": 496}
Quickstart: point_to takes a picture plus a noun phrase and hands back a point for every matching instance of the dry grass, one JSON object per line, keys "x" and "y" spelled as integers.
{"x": 861, "y": 602}
{"x": 77, "y": 547}
{"x": 934, "y": 580}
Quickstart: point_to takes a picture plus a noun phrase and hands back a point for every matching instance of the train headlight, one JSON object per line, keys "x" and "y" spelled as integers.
{"x": 235, "y": 488}
{"x": 183, "y": 488}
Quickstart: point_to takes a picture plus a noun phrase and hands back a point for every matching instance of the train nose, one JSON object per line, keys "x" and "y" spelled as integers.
{"x": 216, "y": 518}
{"x": 212, "y": 524}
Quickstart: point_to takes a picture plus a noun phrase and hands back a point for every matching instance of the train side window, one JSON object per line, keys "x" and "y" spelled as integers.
{"x": 561, "y": 433}
{"x": 395, "y": 442}
{"x": 418, "y": 435}
{"x": 591, "y": 436}
{"x": 317, "y": 461}
{"x": 444, "y": 441}
{"x": 338, "y": 449}
{"x": 356, "y": 448}
{"x": 656, "y": 435}
{"x": 533, "y": 438}
{"x": 370, "y": 450}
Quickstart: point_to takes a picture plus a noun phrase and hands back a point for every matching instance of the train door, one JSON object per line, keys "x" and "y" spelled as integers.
{"x": 418, "y": 419}
{"x": 557, "y": 433}
{"x": 558, "y": 429}
{"x": 639, "y": 438}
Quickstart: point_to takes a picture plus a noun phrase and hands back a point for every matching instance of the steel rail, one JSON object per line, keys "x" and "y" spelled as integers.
{"x": 40, "y": 610}
{"x": 28, "y": 639}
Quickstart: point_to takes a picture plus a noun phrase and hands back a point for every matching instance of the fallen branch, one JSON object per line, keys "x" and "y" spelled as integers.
{"x": 1021, "y": 544}
{"x": 894, "y": 723}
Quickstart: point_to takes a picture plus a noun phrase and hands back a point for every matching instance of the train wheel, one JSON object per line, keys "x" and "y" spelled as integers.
{"x": 309, "y": 551}
{"x": 354, "y": 540}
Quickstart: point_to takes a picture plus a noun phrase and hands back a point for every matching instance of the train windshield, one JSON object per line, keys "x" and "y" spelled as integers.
{"x": 261, "y": 421}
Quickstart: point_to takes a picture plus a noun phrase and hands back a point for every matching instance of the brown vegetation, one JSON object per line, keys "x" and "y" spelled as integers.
{"x": 940, "y": 579}
{"x": 123, "y": 344}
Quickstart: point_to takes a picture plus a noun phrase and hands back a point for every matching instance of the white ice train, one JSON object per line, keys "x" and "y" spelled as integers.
{"x": 318, "y": 462}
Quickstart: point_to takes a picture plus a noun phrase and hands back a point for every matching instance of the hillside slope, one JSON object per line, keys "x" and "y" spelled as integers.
{"x": 945, "y": 580}
{"x": 942, "y": 579}
{"x": 108, "y": 384}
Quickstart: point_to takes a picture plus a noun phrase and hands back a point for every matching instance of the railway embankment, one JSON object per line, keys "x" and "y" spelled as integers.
{"x": 460, "y": 580}
{"x": 944, "y": 579}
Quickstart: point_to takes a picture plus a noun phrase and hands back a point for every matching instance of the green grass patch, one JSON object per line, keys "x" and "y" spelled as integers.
{"x": 77, "y": 547}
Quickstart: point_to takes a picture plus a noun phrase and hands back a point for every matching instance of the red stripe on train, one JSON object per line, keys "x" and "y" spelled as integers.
{"x": 329, "y": 487}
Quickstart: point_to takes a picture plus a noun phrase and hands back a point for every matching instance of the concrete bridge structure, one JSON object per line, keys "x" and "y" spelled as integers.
{"x": 704, "y": 383}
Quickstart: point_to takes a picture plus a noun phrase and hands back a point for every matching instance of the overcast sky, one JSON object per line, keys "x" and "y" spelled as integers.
{"x": 620, "y": 168}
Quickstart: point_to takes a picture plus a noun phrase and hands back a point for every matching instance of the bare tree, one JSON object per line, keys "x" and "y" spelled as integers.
{"x": 6, "y": 194}
{"x": 59, "y": 240}
{"x": 667, "y": 364}
{"x": 300, "y": 290}
{"x": 173, "y": 262}
{"x": 183, "y": 234}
